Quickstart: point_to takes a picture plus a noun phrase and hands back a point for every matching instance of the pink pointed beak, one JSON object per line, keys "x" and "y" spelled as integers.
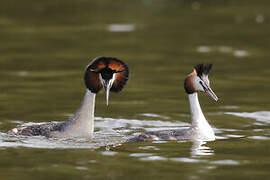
{"x": 211, "y": 93}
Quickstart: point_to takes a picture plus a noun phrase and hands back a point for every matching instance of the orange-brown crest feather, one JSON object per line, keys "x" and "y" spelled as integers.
{"x": 116, "y": 65}
{"x": 121, "y": 78}
{"x": 98, "y": 63}
{"x": 188, "y": 83}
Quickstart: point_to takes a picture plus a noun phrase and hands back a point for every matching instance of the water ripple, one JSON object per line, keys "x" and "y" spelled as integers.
{"x": 154, "y": 158}
{"x": 225, "y": 162}
{"x": 262, "y": 116}
{"x": 115, "y": 131}
{"x": 121, "y": 27}
{"x": 108, "y": 153}
{"x": 149, "y": 147}
{"x": 188, "y": 160}
{"x": 259, "y": 137}
{"x": 140, "y": 154}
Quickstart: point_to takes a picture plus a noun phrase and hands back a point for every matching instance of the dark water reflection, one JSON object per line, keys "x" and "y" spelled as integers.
{"x": 46, "y": 45}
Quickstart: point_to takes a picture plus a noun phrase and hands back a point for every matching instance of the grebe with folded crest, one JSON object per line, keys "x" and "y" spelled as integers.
{"x": 200, "y": 129}
{"x": 107, "y": 72}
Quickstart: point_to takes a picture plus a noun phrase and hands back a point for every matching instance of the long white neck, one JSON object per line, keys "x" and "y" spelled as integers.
{"x": 199, "y": 123}
{"x": 82, "y": 122}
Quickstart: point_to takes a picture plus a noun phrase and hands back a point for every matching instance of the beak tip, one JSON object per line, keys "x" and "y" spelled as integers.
{"x": 107, "y": 96}
{"x": 212, "y": 94}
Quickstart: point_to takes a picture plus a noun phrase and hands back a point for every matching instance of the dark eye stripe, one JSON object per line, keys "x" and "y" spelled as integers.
{"x": 202, "y": 85}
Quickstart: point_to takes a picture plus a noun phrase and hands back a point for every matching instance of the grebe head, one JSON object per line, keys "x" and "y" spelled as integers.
{"x": 107, "y": 72}
{"x": 198, "y": 80}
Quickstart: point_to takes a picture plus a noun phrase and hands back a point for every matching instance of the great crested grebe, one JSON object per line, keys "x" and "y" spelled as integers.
{"x": 200, "y": 129}
{"x": 107, "y": 72}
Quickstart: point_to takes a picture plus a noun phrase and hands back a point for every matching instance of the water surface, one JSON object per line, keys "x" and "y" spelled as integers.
{"x": 45, "y": 47}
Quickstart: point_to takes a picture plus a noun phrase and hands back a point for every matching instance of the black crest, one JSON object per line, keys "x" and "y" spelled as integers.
{"x": 203, "y": 69}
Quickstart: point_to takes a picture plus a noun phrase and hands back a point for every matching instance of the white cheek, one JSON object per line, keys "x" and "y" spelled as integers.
{"x": 206, "y": 80}
{"x": 197, "y": 84}
{"x": 112, "y": 80}
{"x": 100, "y": 78}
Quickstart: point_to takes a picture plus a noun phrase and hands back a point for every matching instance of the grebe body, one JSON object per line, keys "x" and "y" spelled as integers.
{"x": 200, "y": 129}
{"x": 107, "y": 72}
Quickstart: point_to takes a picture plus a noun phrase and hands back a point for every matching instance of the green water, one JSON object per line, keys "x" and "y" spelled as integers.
{"x": 45, "y": 46}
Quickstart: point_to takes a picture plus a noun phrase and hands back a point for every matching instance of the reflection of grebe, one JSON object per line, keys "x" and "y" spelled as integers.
{"x": 200, "y": 129}
{"x": 199, "y": 148}
{"x": 110, "y": 73}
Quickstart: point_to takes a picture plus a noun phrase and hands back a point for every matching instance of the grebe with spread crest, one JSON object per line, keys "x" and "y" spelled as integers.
{"x": 200, "y": 129}
{"x": 110, "y": 73}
